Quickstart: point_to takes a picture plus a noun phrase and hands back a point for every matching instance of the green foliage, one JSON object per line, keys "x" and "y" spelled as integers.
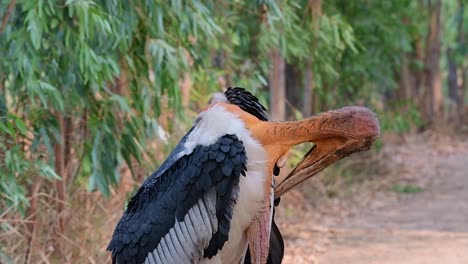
{"x": 404, "y": 117}
{"x": 382, "y": 38}
{"x": 16, "y": 171}
{"x": 456, "y": 16}
{"x": 407, "y": 189}
{"x": 65, "y": 59}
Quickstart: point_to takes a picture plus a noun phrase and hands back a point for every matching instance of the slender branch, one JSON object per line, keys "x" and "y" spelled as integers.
{"x": 7, "y": 14}
{"x": 31, "y": 216}
{"x": 59, "y": 149}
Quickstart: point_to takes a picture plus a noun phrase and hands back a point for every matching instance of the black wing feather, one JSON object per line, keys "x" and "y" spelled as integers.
{"x": 172, "y": 190}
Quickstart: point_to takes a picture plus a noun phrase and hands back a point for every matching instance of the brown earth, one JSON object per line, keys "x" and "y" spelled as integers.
{"x": 374, "y": 221}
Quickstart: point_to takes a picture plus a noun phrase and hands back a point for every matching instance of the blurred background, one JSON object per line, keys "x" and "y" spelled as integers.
{"x": 95, "y": 94}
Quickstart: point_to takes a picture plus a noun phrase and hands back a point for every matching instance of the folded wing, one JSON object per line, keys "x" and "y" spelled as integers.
{"x": 183, "y": 211}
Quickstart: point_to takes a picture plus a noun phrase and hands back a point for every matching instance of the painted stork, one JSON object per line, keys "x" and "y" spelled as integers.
{"x": 212, "y": 200}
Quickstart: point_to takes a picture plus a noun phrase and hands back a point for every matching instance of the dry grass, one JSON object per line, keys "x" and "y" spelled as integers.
{"x": 89, "y": 222}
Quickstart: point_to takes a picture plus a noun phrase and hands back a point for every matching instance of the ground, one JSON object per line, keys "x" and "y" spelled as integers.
{"x": 413, "y": 209}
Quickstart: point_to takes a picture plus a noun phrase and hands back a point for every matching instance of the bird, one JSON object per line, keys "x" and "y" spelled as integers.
{"x": 213, "y": 199}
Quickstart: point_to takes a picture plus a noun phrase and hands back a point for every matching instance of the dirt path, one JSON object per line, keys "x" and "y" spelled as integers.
{"x": 430, "y": 226}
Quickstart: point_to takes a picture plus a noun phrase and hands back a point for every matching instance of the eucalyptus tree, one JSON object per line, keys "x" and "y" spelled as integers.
{"x": 82, "y": 84}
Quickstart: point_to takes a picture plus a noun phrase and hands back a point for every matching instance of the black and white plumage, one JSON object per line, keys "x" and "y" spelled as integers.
{"x": 196, "y": 207}
{"x": 195, "y": 195}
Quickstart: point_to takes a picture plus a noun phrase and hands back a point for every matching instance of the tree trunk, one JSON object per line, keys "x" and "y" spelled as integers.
{"x": 3, "y": 106}
{"x": 404, "y": 91}
{"x": 308, "y": 88}
{"x": 433, "y": 97}
{"x": 418, "y": 55}
{"x": 33, "y": 191}
{"x": 463, "y": 89}
{"x": 7, "y": 14}
{"x": 453, "y": 91}
{"x": 59, "y": 153}
{"x": 69, "y": 158}
{"x": 277, "y": 86}
{"x": 186, "y": 83}
{"x": 293, "y": 90}
{"x": 418, "y": 73}
{"x": 461, "y": 43}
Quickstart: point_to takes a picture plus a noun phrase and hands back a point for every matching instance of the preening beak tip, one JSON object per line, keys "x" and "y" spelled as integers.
{"x": 364, "y": 120}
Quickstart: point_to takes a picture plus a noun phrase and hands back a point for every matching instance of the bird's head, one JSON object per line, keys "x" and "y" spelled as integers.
{"x": 335, "y": 135}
